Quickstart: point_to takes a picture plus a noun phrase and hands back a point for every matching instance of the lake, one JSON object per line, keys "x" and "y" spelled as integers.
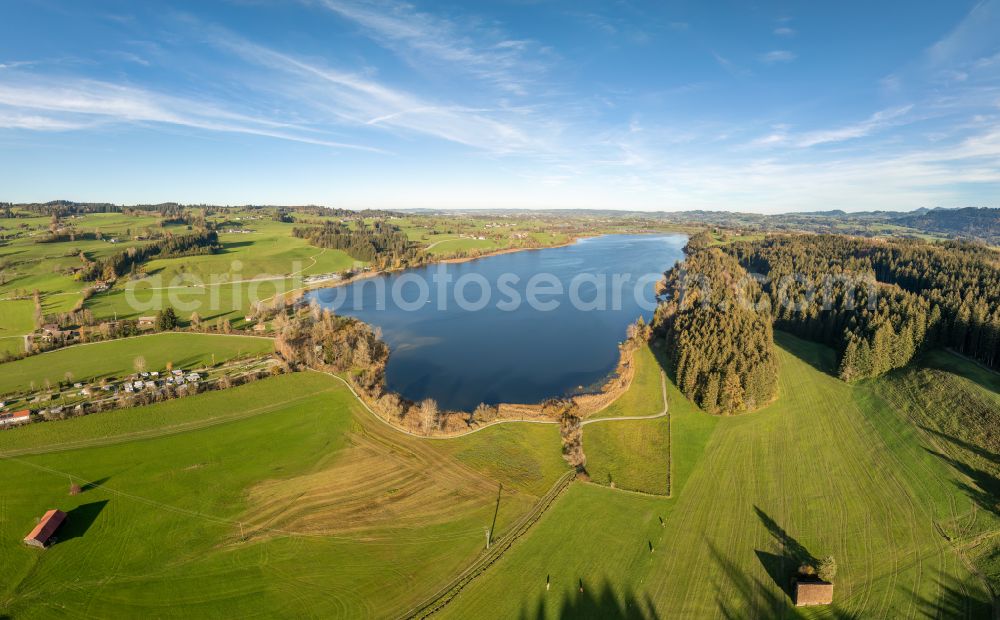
{"x": 517, "y": 327}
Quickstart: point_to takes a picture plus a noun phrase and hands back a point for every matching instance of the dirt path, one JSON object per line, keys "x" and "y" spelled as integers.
{"x": 663, "y": 388}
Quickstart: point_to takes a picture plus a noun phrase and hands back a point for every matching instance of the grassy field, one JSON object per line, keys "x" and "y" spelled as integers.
{"x": 644, "y": 395}
{"x": 444, "y": 247}
{"x": 828, "y": 469}
{"x": 956, "y": 407}
{"x": 303, "y": 504}
{"x": 631, "y": 454}
{"x": 115, "y": 357}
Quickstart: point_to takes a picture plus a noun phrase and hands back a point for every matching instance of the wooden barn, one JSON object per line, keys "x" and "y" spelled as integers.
{"x": 813, "y": 593}
{"x": 42, "y": 535}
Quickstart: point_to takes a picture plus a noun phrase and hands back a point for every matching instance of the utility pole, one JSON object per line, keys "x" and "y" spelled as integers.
{"x": 487, "y": 538}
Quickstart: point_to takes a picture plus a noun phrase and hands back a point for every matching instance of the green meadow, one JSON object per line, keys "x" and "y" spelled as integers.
{"x": 282, "y": 497}
{"x": 828, "y": 469}
{"x": 643, "y": 397}
{"x": 114, "y": 358}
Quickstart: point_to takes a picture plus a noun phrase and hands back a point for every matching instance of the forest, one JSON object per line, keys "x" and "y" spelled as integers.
{"x": 720, "y": 347}
{"x": 880, "y": 302}
{"x": 381, "y": 243}
{"x": 119, "y": 264}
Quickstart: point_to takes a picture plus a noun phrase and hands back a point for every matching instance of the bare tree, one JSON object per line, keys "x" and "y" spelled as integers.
{"x": 428, "y": 414}
{"x": 139, "y": 363}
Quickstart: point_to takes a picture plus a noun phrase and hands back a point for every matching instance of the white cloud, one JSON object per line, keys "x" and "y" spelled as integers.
{"x": 14, "y": 64}
{"x": 776, "y": 56}
{"x": 784, "y": 31}
{"x": 875, "y": 122}
{"x": 480, "y": 51}
{"x": 76, "y": 103}
{"x": 730, "y": 66}
{"x": 358, "y": 100}
{"x": 13, "y": 119}
{"x": 974, "y": 37}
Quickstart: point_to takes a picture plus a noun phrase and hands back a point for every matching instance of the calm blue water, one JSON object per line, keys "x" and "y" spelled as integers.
{"x": 492, "y": 330}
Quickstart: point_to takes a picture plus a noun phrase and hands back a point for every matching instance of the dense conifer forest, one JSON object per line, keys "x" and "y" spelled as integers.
{"x": 721, "y": 347}
{"x": 880, "y": 302}
{"x": 381, "y": 243}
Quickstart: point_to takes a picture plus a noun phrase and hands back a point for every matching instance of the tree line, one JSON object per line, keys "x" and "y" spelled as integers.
{"x": 121, "y": 263}
{"x": 381, "y": 243}
{"x": 720, "y": 349}
{"x": 878, "y": 303}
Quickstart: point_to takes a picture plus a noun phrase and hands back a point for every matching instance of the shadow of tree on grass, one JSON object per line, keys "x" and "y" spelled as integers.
{"x": 592, "y": 600}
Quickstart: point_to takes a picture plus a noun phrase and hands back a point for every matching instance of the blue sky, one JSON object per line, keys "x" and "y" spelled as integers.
{"x": 753, "y": 106}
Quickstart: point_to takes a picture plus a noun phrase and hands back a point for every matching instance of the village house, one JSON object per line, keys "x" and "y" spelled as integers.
{"x": 43, "y": 534}
{"x": 813, "y": 593}
{"x": 51, "y": 331}
{"x": 147, "y": 322}
{"x": 14, "y": 417}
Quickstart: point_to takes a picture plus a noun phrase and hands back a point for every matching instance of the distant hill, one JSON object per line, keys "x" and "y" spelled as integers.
{"x": 971, "y": 222}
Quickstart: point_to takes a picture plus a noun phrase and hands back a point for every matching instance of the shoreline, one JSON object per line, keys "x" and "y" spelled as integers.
{"x": 365, "y": 275}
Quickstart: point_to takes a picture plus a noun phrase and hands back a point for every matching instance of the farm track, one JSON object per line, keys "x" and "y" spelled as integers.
{"x": 443, "y": 596}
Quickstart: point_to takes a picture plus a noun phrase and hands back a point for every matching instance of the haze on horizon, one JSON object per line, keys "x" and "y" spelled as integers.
{"x": 771, "y": 107}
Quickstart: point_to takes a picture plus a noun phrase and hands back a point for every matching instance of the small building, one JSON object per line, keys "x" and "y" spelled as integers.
{"x": 260, "y": 327}
{"x": 147, "y": 322}
{"x": 15, "y": 417}
{"x": 813, "y": 593}
{"x": 42, "y": 535}
{"x": 51, "y": 331}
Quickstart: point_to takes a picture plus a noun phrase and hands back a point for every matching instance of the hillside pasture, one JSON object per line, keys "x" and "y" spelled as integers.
{"x": 828, "y": 469}
{"x": 949, "y": 401}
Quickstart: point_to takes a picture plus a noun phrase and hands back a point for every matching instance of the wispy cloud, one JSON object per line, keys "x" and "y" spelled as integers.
{"x": 359, "y": 100}
{"x": 481, "y": 51}
{"x": 781, "y": 136}
{"x": 730, "y": 66}
{"x": 876, "y": 122}
{"x": 784, "y": 31}
{"x": 63, "y": 104}
{"x": 776, "y": 56}
{"x": 14, "y": 64}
